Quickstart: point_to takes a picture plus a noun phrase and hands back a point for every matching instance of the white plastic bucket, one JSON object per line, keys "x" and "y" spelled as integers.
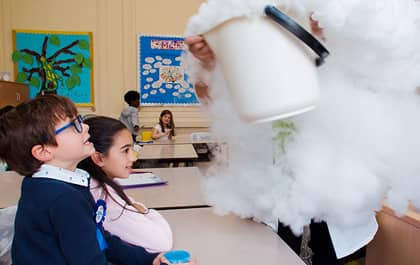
{"x": 270, "y": 73}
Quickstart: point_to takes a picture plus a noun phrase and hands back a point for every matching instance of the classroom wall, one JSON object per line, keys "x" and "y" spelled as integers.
{"x": 115, "y": 25}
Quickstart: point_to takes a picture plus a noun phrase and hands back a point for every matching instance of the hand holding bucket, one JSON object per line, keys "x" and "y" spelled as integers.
{"x": 269, "y": 70}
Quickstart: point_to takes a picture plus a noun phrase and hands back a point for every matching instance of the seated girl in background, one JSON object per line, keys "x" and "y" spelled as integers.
{"x": 125, "y": 218}
{"x": 165, "y": 129}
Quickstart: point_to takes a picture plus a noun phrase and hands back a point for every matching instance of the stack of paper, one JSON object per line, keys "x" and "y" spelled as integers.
{"x": 140, "y": 180}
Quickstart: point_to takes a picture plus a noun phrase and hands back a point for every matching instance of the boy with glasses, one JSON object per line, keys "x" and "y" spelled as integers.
{"x": 57, "y": 221}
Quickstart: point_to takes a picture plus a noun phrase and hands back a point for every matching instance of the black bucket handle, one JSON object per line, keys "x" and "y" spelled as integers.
{"x": 297, "y": 30}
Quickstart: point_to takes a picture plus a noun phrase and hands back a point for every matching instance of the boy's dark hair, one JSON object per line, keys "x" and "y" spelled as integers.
{"x": 29, "y": 124}
{"x": 131, "y": 96}
{"x": 102, "y": 131}
{"x": 5, "y": 109}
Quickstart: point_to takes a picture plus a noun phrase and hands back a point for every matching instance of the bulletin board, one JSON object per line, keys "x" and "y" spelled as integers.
{"x": 162, "y": 77}
{"x": 58, "y": 62}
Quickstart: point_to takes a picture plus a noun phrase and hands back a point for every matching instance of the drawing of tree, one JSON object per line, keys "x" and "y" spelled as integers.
{"x": 60, "y": 69}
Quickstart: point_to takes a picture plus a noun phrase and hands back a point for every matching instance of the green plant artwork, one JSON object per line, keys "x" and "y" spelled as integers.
{"x": 284, "y": 130}
{"x": 55, "y": 62}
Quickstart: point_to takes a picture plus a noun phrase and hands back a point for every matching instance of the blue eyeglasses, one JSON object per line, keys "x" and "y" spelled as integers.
{"x": 77, "y": 123}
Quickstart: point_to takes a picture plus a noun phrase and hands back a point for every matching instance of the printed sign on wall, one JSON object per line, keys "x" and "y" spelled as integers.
{"x": 162, "y": 79}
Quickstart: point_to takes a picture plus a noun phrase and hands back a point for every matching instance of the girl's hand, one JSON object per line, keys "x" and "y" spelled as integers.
{"x": 160, "y": 259}
{"x": 166, "y": 132}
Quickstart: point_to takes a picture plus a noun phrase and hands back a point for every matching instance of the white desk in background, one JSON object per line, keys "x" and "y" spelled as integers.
{"x": 183, "y": 189}
{"x": 168, "y": 152}
{"x": 205, "y": 148}
{"x": 184, "y": 139}
{"x": 220, "y": 240}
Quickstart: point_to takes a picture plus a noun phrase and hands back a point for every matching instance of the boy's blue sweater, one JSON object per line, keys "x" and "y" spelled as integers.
{"x": 55, "y": 225}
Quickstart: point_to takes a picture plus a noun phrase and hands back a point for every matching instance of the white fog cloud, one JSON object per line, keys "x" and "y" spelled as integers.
{"x": 361, "y": 143}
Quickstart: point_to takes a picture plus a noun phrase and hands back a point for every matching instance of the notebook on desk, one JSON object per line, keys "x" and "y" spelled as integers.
{"x": 144, "y": 142}
{"x": 141, "y": 180}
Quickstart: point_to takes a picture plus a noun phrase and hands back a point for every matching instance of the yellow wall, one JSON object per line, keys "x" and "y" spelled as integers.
{"x": 114, "y": 24}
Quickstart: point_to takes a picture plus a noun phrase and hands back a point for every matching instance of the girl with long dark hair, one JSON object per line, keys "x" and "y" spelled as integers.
{"x": 114, "y": 157}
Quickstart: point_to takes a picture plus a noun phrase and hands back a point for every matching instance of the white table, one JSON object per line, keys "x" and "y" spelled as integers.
{"x": 220, "y": 240}
{"x": 185, "y": 139}
{"x": 182, "y": 190}
{"x": 168, "y": 152}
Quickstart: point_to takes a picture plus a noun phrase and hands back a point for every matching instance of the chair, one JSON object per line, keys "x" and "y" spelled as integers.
{"x": 7, "y": 220}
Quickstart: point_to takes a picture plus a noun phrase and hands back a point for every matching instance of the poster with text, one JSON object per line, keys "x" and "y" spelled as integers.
{"x": 162, "y": 78}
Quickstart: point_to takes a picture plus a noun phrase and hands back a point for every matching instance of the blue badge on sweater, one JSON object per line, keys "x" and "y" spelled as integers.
{"x": 100, "y": 212}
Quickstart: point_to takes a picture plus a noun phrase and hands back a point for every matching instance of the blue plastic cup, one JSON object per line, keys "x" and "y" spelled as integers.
{"x": 177, "y": 256}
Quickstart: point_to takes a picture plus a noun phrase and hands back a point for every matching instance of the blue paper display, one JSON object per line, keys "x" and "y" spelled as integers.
{"x": 162, "y": 79}
{"x": 57, "y": 61}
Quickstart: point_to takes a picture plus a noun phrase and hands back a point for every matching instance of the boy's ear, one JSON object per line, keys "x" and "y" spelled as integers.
{"x": 41, "y": 153}
{"x": 97, "y": 159}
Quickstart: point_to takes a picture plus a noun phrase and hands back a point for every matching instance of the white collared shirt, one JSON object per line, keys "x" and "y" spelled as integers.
{"x": 348, "y": 239}
{"x": 78, "y": 177}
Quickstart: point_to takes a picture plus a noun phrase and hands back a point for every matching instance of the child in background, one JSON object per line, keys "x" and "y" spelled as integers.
{"x": 130, "y": 114}
{"x": 126, "y": 218}
{"x": 57, "y": 221}
{"x": 165, "y": 129}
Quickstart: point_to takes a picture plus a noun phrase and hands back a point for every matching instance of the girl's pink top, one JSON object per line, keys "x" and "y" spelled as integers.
{"x": 150, "y": 231}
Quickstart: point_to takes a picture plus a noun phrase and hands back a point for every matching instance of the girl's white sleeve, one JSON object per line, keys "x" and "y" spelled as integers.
{"x": 158, "y": 128}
